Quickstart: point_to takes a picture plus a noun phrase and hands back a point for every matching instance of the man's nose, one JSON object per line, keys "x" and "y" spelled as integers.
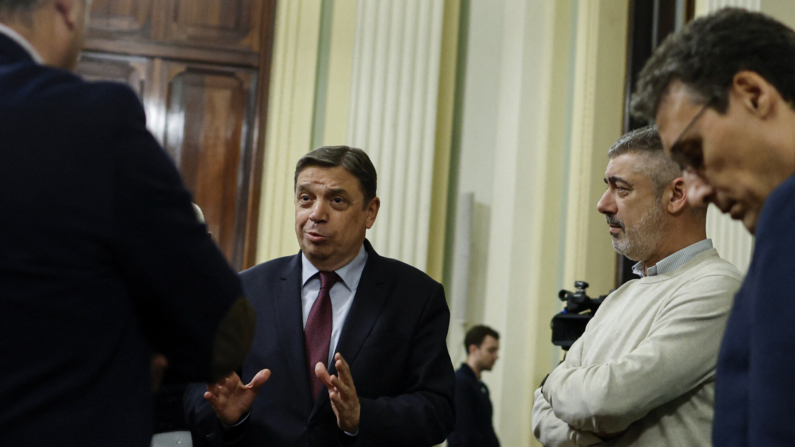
{"x": 319, "y": 211}
{"x": 606, "y": 205}
{"x": 699, "y": 192}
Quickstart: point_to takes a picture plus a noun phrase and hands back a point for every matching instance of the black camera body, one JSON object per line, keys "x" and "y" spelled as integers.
{"x": 569, "y": 325}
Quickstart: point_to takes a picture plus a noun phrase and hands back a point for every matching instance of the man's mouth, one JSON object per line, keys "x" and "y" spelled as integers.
{"x": 315, "y": 236}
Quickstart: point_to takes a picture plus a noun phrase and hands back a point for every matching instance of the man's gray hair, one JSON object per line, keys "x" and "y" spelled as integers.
{"x": 659, "y": 167}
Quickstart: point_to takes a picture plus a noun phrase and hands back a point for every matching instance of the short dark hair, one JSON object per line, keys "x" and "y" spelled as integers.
{"x": 477, "y": 334}
{"x": 707, "y": 53}
{"x": 661, "y": 169}
{"x": 354, "y": 160}
{"x": 10, "y": 8}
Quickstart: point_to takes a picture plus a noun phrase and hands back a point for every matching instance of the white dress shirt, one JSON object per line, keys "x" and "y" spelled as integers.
{"x": 13, "y": 35}
{"x": 341, "y": 293}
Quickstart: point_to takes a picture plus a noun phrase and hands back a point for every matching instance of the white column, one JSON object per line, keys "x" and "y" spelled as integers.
{"x": 393, "y": 116}
{"x": 289, "y": 128}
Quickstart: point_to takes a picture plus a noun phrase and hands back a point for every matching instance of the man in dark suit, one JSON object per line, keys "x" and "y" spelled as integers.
{"x": 473, "y": 410}
{"x": 102, "y": 260}
{"x": 377, "y": 324}
{"x": 723, "y": 94}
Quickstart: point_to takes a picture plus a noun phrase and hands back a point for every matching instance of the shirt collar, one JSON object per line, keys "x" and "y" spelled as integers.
{"x": 350, "y": 273}
{"x": 675, "y": 260}
{"x": 21, "y": 41}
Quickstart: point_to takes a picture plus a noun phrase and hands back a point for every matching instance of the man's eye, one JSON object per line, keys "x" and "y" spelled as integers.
{"x": 337, "y": 200}
{"x": 303, "y": 197}
{"x": 689, "y": 154}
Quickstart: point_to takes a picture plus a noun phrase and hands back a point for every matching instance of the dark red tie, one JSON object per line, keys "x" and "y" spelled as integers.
{"x": 317, "y": 332}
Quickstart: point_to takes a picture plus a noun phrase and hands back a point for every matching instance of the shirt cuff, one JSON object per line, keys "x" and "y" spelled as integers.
{"x": 242, "y": 420}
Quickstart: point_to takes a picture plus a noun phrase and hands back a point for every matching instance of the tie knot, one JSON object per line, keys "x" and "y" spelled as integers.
{"x": 328, "y": 279}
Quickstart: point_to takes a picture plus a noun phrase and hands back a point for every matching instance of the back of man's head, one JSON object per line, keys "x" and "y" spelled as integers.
{"x": 709, "y": 51}
{"x": 477, "y": 334}
{"x": 54, "y": 28}
{"x": 354, "y": 160}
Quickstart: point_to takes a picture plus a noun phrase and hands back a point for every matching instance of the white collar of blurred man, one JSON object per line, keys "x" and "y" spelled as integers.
{"x": 646, "y": 201}
{"x": 55, "y": 29}
{"x": 332, "y": 209}
{"x": 722, "y": 94}
{"x": 482, "y": 357}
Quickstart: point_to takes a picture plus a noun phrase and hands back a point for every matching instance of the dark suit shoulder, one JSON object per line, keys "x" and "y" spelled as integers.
{"x": 400, "y": 271}
{"x": 266, "y": 273}
{"x": 272, "y": 267}
{"x": 67, "y": 105}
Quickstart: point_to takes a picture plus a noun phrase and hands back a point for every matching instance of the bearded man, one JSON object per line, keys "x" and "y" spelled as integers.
{"x": 643, "y": 373}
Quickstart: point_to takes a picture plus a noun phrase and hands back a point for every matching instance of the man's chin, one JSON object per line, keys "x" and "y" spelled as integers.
{"x": 749, "y": 222}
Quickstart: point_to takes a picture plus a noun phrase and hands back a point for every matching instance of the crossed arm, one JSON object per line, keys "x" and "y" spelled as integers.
{"x": 580, "y": 400}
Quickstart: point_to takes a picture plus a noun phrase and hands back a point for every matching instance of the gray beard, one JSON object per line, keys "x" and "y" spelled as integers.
{"x": 639, "y": 242}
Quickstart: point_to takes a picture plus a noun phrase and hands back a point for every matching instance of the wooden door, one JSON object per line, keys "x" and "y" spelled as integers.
{"x": 209, "y": 113}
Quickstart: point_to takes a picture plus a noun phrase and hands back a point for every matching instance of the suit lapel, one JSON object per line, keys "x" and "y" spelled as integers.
{"x": 290, "y": 322}
{"x": 366, "y": 307}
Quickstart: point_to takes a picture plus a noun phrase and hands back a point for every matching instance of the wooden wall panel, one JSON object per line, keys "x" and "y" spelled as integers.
{"x": 125, "y": 69}
{"x": 217, "y": 24}
{"x": 122, "y": 19}
{"x": 208, "y": 133}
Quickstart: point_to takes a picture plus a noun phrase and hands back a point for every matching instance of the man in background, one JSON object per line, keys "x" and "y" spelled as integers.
{"x": 723, "y": 94}
{"x": 102, "y": 260}
{"x": 356, "y": 342}
{"x": 643, "y": 373}
{"x": 473, "y": 425}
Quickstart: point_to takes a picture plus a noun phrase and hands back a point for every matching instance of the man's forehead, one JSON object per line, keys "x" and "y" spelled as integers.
{"x": 329, "y": 177}
{"x": 630, "y": 167}
{"x": 623, "y": 165}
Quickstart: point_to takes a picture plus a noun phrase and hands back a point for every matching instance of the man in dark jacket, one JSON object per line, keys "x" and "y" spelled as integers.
{"x": 102, "y": 259}
{"x": 473, "y": 426}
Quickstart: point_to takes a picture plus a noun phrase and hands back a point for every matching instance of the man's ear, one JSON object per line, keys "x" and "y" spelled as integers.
{"x": 754, "y": 93}
{"x": 68, "y": 11}
{"x": 677, "y": 195}
{"x": 372, "y": 211}
{"x": 471, "y": 349}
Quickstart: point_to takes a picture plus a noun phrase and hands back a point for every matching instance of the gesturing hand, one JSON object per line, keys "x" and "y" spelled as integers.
{"x": 231, "y": 399}
{"x": 157, "y": 366}
{"x": 342, "y": 393}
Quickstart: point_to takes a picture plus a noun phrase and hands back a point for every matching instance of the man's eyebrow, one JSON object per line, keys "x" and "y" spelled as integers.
{"x": 337, "y": 191}
{"x": 616, "y": 179}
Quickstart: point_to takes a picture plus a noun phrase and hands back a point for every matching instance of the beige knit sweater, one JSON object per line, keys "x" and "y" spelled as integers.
{"x": 646, "y": 363}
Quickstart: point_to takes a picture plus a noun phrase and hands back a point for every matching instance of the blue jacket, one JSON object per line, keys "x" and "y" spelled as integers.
{"x": 755, "y": 384}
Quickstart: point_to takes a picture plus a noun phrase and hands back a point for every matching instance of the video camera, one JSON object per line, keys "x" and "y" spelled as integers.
{"x": 569, "y": 325}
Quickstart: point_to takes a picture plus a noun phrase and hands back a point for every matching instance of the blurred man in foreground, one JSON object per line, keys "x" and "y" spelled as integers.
{"x": 723, "y": 94}
{"x": 102, "y": 260}
{"x": 643, "y": 373}
{"x": 356, "y": 342}
{"x": 473, "y": 424}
